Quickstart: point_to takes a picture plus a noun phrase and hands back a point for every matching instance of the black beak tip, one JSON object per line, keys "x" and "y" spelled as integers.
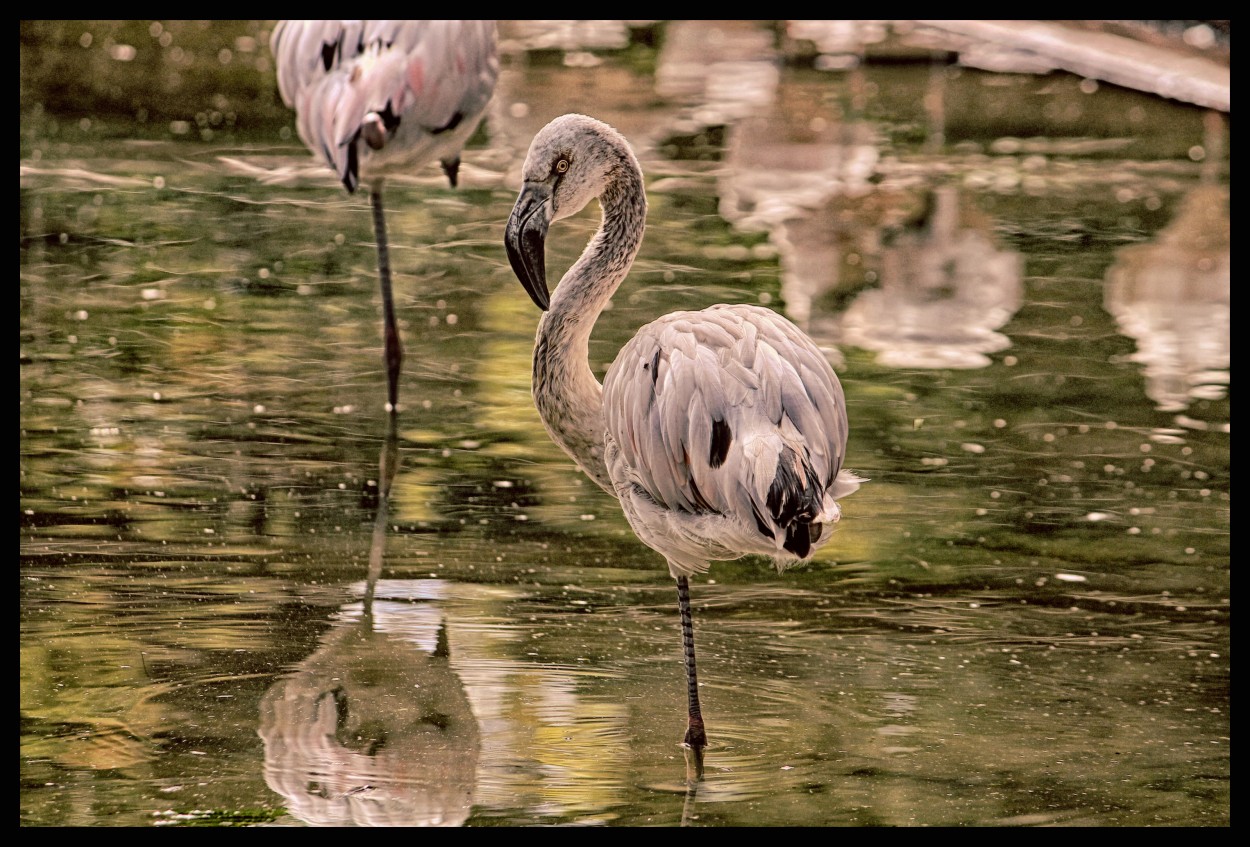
{"x": 451, "y": 167}
{"x": 540, "y": 298}
{"x": 525, "y": 240}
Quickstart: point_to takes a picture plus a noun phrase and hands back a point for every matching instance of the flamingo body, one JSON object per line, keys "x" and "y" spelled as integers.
{"x": 724, "y": 435}
{"x": 377, "y": 97}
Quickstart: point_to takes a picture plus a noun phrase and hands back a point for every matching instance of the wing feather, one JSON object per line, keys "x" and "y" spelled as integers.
{"x": 426, "y": 82}
{"x": 738, "y": 384}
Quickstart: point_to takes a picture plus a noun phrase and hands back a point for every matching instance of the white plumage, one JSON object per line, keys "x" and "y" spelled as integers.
{"x": 724, "y": 435}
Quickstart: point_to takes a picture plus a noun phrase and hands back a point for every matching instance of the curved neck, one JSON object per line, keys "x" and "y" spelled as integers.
{"x": 568, "y": 396}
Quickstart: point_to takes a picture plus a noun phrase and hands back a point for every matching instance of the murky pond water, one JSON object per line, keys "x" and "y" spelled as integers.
{"x": 243, "y": 599}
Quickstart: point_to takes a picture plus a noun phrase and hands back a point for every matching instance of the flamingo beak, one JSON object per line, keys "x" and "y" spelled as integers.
{"x": 525, "y": 237}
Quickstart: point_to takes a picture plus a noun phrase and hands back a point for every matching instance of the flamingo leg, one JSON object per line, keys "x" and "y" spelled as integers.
{"x": 394, "y": 352}
{"x": 695, "y": 738}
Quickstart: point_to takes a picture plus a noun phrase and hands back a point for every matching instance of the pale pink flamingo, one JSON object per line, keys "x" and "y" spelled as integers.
{"x": 381, "y": 97}
{"x": 721, "y": 432}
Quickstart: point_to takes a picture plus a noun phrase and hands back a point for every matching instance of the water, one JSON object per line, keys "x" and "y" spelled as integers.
{"x": 243, "y": 600}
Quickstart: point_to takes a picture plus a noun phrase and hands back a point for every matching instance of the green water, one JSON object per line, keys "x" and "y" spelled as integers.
{"x": 1024, "y": 617}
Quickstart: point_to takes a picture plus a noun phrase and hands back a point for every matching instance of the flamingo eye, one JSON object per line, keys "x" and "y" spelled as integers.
{"x": 562, "y": 165}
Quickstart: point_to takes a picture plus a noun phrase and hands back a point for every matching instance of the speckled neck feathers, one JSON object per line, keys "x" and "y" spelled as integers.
{"x": 566, "y": 391}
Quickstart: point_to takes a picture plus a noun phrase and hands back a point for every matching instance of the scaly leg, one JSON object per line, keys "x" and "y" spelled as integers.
{"x": 394, "y": 354}
{"x": 696, "y": 738}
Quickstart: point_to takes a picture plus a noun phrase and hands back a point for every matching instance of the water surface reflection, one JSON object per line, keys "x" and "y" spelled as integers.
{"x": 945, "y": 291}
{"x": 244, "y": 600}
{"x": 374, "y": 728}
{"x": 1174, "y": 295}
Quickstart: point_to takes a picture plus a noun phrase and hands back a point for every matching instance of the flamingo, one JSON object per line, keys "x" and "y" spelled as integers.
{"x": 378, "y": 97}
{"x": 721, "y": 432}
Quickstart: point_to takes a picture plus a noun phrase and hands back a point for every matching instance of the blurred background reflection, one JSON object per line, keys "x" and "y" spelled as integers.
{"x": 244, "y": 598}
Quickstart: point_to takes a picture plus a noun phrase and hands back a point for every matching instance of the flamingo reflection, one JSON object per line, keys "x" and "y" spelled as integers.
{"x": 375, "y": 728}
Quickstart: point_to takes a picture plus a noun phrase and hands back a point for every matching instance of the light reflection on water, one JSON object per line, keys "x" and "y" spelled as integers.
{"x": 945, "y": 291}
{"x": 226, "y": 605}
{"x": 1174, "y": 296}
{"x": 374, "y": 727}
